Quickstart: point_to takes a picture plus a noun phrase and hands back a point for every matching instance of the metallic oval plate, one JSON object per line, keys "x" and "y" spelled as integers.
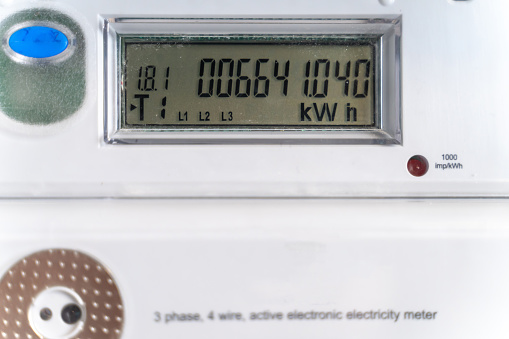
{"x": 60, "y": 268}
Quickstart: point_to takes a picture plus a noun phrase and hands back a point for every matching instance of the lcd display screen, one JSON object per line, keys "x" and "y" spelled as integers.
{"x": 249, "y": 83}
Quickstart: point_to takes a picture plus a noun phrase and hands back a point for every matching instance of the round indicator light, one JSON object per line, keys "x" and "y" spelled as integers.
{"x": 417, "y": 166}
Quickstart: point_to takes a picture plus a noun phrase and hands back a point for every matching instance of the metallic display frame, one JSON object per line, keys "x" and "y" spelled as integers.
{"x": 386, "y": 30}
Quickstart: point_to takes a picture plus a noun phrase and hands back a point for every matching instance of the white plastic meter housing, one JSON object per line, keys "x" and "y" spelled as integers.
{"x": 444, "y": 72}
{"x": 256, "y": 169}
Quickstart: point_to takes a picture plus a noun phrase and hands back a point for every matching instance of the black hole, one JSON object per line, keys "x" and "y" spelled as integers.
{"x": 46, "y": 314}
{"x": 71, "y": 314}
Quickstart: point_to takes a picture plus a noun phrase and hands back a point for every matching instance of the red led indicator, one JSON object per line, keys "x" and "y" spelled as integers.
{"x": 417, "y": 166}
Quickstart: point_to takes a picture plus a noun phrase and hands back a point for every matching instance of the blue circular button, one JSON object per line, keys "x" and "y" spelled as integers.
{"x": 38, "y": 42}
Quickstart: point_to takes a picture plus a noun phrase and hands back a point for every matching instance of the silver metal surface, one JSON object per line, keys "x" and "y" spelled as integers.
{"x": 387, "y": 104}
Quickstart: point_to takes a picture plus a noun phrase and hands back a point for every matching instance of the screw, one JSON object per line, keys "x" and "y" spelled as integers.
{"x": 46, "y": 314}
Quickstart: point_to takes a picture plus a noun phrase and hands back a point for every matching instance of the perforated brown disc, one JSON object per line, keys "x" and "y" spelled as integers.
{"x": 60, "y": 268}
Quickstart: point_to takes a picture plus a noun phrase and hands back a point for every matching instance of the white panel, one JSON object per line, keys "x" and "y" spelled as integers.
{"x": 446, "y": 256}
{"x": 453, "y": 75}
{"x": 198, "y": 256}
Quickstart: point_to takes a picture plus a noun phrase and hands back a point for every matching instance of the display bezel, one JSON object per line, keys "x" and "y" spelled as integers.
{"x": 382, "y": 33}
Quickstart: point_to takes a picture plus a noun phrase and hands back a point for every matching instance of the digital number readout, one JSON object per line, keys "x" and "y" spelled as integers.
{"x": 310, "y": 84}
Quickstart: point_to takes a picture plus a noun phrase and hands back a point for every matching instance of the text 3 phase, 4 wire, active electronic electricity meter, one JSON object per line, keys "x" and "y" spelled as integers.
{"x": 266, "y": 169}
